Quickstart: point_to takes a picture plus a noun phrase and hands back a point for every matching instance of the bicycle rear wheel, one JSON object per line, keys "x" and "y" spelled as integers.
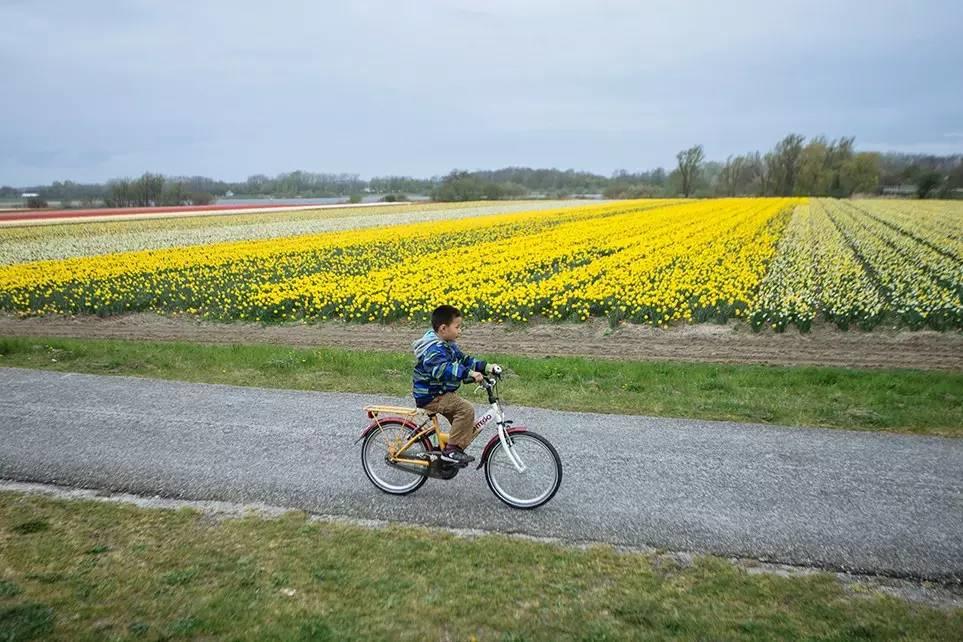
{"x": 537, "y": 484}
{"x": 374, "y": 453}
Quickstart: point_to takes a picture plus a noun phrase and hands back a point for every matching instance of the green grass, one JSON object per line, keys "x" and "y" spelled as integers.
{"x": 110, "y": 571}
{"x": 906, "y": 401}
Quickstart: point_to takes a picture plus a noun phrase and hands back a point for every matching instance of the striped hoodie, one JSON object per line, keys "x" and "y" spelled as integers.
{"x": 440, "y": 367}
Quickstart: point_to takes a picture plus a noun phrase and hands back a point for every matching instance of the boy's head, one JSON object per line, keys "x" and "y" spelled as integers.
{"x": 446, "y": 322}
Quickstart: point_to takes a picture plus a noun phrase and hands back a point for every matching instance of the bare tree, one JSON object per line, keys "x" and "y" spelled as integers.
{"x": 768, "y": 174}
{"x": 785, "y": 159}
{"x": 690, "y": 161}
{"x": 119, "y": 193}
{"x": 736, "y": 175}
{"x": 149, "y": 189}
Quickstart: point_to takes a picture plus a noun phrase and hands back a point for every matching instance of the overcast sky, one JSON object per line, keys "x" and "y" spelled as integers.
{"x": 100, "y": 89}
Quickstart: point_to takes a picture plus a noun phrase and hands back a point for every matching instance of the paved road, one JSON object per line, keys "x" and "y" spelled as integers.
{"x": 872, "y": 503}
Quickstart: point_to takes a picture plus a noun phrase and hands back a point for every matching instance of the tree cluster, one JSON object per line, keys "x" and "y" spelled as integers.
{"x": 152, "y": 190}
{"x": 923, "y": 175}
{"x": 465, "y": 186}
{"x": 301, "y": 184}
{"x": 793, "y": 167}
{"x": 819, "y": 167}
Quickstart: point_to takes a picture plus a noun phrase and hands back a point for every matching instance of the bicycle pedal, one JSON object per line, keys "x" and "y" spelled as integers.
{"x": 453, "y": 464}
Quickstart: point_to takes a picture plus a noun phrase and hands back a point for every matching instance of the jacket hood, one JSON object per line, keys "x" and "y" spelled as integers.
{"x": 421, "y": 345}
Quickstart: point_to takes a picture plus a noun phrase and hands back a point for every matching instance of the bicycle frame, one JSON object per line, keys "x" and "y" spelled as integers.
{"x": 405, "y": 416}
{"x": 498, "y": 414}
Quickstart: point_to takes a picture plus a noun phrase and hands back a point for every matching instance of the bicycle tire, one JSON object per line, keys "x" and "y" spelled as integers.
{"x": 380, "y": 484}
{"x": 502, "y": 495}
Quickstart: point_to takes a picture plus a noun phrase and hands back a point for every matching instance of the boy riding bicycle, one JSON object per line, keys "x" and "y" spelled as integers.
{"x": 439, "y": 371}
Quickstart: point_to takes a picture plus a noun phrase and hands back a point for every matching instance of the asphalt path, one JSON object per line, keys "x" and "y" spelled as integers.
{"x": 861, "y": 502}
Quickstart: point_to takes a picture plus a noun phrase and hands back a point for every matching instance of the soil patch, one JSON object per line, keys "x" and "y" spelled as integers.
{"x": 824, "y": 345}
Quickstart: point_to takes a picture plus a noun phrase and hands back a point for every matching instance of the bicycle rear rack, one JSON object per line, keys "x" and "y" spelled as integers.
{"x": 402, "y": 411}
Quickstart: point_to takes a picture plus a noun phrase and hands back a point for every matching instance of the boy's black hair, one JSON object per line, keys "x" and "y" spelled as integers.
{"x": 444, "y": 315}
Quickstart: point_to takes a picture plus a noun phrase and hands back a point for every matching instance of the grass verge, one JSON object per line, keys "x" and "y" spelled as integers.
{"x": 905, "y": 401}
{"x": 86, "y": 570}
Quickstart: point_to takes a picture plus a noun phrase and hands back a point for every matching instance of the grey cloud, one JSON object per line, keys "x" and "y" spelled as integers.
{"x": 113, "y": 88}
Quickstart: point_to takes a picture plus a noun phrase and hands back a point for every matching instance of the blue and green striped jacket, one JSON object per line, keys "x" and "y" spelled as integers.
{"x": 440, "y": 367}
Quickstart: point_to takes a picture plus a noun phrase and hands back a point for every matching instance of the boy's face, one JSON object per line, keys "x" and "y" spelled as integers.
{"x": 450, "y": 331}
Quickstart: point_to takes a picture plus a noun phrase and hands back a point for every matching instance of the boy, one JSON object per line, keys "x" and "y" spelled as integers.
{"x": 439, "y": 371}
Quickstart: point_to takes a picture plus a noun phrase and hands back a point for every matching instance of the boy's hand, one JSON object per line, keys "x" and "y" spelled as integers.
{"x": 477, "y": 376}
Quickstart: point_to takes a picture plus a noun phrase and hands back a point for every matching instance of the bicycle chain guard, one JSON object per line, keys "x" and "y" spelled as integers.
{"x": 442, "y": 469}
{"x": 438, "y": 469}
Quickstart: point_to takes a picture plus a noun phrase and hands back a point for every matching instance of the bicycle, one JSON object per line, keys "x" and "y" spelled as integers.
{"x": 400, "y": 452}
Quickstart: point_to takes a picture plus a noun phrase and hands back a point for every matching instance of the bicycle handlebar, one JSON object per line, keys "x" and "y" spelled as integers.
{"x": 489, "y": 382}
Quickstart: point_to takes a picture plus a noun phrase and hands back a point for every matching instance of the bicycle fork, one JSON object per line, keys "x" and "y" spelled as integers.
{"x": 497, "y": 414}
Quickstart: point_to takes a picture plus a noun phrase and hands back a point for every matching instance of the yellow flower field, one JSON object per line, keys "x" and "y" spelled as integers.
{"x": 861, "y": 262}
{"x": 775, "y": 261}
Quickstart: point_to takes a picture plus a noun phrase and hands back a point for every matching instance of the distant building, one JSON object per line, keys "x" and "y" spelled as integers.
{"x": 29, "y": 195}
{"x": 898, "y": 190}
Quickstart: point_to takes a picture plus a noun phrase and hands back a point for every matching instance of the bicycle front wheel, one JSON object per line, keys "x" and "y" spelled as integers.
{"x": 540, "y": 480}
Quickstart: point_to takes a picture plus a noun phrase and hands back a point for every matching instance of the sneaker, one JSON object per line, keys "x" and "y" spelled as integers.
{"x": 455, "y": 455}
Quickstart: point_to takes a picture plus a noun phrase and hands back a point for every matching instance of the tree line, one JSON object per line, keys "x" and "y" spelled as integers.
{"x": 818, "y": 167}
{"x": 793, "y": 167}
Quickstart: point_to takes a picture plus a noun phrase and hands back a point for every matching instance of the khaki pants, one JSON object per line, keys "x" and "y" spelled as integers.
{"x": 460, "y": 413}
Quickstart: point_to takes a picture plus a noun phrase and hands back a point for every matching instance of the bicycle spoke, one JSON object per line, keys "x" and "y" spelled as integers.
{"x": 536, "y": 484}
{"x": 382, "y": 474}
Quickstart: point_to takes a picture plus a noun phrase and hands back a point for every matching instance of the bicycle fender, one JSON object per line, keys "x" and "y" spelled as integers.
{"x": 387, "y": 420}
{"x": 494, "y": 440}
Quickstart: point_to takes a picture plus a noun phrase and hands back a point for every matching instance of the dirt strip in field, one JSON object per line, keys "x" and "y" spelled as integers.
{"x": 733, "y": 343}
